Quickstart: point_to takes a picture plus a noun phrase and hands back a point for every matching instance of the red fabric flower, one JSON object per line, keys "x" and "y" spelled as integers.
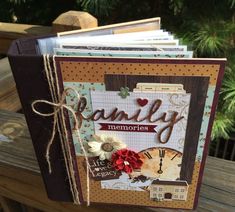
{"x": 126, "y": 160}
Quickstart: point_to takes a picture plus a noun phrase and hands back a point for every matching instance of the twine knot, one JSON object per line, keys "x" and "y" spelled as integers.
{"x": 59, "y": 125}
{"x": 58, "y": 107}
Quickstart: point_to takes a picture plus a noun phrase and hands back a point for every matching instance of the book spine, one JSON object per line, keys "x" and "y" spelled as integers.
{"x": 31, "y": 85}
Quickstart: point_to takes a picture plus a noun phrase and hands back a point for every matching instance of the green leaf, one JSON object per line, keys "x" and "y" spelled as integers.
{"x": 97, "y": 7}
{"x": 231, "y": 3}
{"x": 228, "y": 90}
{"x": 223, "y": 125}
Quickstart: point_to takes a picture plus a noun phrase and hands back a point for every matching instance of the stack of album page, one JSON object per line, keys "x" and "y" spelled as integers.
{"x": 152, "y": 42}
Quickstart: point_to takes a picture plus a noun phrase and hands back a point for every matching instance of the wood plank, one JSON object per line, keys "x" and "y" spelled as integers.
{"x": 9, "y": 99}
{"x": 9, "y": 205}
{"x": 65, "y": 22}
{"x": 27, "y": 188}
{"x": 30, "y": 209}
{"x": 10, "y": 32}
{"x": 220, "y": 173}
{"x": 20, "y": 153}
{"x": 20, "y": 178}
{"x": 209, "y": 205}
{"x": 72, "y": 20}
{"x": 4, "y": 44}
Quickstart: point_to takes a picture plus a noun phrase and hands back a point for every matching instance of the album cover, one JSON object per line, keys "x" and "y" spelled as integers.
{"x": 145, "y": 124}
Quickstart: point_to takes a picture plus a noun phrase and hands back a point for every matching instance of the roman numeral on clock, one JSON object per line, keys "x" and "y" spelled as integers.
{"x": 162, "y": 153}
{"x": 174, "y": 156}
{"x": 147, "y": 154}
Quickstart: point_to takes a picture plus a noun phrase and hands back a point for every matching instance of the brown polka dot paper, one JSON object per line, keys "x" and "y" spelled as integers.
{"x": 141, "y": 198}
{"x": 94, "y": 72}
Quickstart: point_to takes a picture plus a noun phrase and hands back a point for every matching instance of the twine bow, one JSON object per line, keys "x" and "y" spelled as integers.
{"x": 58, "y": 107}
{"x": 59, "y": 125}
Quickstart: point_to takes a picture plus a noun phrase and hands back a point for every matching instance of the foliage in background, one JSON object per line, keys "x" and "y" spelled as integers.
{"x": 208, "y": 27}
{"x": 34, "y": 12}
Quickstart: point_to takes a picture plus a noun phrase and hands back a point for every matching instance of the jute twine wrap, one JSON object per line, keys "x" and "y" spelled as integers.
{"x": 59, "y": 126}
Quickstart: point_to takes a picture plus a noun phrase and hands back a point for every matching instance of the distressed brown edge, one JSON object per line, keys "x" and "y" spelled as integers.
{"x": 68, "y": 127}
{"x": 206, "y": 61}
{"x": 209, "y": 129}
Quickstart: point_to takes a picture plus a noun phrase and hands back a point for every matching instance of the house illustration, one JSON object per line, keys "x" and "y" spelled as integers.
{"x": 168, "y": 190}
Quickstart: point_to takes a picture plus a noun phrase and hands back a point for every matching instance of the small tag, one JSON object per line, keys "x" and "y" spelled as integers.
{"x": 159, "y": 88}
{"x": 102, "y": 169}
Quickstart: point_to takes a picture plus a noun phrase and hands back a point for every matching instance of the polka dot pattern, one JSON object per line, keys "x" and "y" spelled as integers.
{"x": 141, "y": 198}
{"x": 94, "y": 72}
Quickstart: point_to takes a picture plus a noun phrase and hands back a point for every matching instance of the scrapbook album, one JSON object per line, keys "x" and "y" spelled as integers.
{"x": 125, "y": 122}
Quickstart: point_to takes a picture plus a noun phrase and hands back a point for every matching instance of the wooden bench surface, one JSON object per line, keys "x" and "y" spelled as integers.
{"x": 20, "y": 178}
{"x": 67, "y": 21}
{"x": 11, "y": 31}
{"x": 9, "y": 99}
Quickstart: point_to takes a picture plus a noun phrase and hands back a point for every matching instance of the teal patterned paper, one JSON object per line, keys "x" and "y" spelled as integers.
{"x": 83, "y": 88}
{"x": 87, "y": 128}
{"x": 205, "y": 122}
{"x": 184, "y": 54}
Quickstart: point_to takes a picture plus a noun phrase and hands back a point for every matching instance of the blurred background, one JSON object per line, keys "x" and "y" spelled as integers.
{"x": 207, "y": 27}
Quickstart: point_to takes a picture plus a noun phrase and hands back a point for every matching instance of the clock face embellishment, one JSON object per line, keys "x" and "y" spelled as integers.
{"x": 158, "y": 163}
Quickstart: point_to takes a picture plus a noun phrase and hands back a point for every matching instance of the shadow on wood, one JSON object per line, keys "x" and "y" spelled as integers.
{"x": 9, "y": 99}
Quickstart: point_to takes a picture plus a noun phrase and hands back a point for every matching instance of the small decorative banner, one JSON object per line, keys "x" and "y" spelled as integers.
{"x": 102, "y": 169}
{"x": 128, "y": 127}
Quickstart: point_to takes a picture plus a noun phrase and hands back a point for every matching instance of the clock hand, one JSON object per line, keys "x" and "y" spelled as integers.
{"x": 160, "y": 167}
{"x": 161, "y": 155}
